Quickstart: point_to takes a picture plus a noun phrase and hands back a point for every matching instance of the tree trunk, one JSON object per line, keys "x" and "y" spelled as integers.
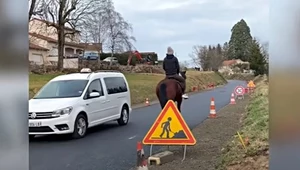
{"x": 61, "y": 44}
{"x": 111, "y": 55}
{"x": 31, "y": 9}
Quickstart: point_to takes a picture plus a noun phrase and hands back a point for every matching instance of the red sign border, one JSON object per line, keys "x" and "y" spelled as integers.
{"x": 237, "y": 87}
{"x": 190, "y": 138}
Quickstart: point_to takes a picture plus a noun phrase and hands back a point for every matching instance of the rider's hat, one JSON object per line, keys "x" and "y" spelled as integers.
{"x": 170, "y": 51}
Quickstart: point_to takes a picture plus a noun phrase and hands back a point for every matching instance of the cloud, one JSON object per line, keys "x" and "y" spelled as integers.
{"x": 182, "y": 24}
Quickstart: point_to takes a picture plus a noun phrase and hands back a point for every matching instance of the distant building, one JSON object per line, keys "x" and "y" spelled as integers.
{"x": 43, "y": 40}
{"x": 229, "y": 65}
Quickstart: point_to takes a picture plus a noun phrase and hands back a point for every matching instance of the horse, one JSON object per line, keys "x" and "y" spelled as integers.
{"x": 170, "y": 89}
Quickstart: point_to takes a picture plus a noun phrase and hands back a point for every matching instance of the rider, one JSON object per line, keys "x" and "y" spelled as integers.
{"x": 172, "y": 68}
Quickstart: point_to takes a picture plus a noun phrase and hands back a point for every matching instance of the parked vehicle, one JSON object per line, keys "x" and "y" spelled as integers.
{"x": 74, "y": 102}
{"x": 90, "y": 56}
{"x": 113, "y": 59}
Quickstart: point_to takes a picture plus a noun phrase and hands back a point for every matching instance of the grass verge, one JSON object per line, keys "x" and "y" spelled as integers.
{"x": 255, "y": 128}
{"x": 141, "y": 85}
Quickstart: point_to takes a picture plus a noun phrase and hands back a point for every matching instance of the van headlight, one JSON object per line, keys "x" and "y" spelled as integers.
{"x": 65, "y": 111}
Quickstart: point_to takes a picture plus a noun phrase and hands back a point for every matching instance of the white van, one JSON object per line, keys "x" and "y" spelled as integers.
{"x": 74, "y": 102}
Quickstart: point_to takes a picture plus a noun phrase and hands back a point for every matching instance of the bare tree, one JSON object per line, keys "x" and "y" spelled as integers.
{"x": 96, "y": 27}
{"x": 208, "y": 57}
{"x": 34, "y": 8}
{"x": 200, "y": 56}
{"x": 194, "y": 56}
{"x": 62, "y": 13}
{"x": 119, "y": 32}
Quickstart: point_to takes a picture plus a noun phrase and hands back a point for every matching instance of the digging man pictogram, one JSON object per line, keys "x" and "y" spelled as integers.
{"x": 166, "y": 128}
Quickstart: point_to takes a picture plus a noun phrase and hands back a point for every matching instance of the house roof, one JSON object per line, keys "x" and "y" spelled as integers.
{"x": 229, "y": 62}
{"x": 147, "y": 53}
{"x": 48, "y": 22}
{"x": 52, "y": 40}
{"x": 144, "y": 53}
{"x": 37, "y": 47}
{"x": 92, "y": 46}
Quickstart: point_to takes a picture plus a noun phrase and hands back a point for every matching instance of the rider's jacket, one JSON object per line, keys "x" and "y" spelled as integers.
{"x": 171, "y": 65}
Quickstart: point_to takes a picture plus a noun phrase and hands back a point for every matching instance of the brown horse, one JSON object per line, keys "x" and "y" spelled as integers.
{"x": 170, "y": 89}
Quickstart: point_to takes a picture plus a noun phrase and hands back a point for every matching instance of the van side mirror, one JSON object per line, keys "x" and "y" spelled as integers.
{"x": 94, "y": 95}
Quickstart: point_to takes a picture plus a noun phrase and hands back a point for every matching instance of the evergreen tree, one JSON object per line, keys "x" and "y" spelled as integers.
{"x": 240, "y": 41}
{"x": 219, "y": 49}
{"x": 225, "y": 51}
{"x": 257, "y": 59}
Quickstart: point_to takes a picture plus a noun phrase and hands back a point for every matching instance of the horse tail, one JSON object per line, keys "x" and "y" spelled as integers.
{"x": 163, "y": 99}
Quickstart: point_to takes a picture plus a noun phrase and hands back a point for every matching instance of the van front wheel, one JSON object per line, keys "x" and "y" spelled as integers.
{"x": 123, "y": 120}
{"x": 80, "y": 127}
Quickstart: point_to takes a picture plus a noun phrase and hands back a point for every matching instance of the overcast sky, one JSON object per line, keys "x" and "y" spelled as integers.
{"x": 183, "y": 23}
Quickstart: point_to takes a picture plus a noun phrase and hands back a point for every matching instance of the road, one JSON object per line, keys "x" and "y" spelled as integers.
{"x": 111, "y": 147}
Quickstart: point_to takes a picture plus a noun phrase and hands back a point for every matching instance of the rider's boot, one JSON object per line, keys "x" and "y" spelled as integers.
{"x": 185, "y": 96}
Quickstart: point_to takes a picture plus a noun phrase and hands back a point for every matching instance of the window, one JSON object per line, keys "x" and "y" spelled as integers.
{"x": 62, "y": 89}
{"x": 95, "y": 86}
{"x": 115, "y": 85}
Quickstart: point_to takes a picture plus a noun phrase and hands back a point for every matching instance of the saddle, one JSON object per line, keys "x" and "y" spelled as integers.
{"x": 174, "y": 78}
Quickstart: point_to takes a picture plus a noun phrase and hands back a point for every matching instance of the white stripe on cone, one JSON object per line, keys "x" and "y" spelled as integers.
{"x": 232, "y": 100}
{"x": 142, "y": 168}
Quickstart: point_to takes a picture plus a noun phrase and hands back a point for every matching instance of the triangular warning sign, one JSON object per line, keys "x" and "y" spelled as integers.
{"x": 169, "y": 128}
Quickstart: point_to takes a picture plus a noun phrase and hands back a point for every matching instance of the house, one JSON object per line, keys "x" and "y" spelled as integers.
{"x": 43, "y": 35}
{"x": 92, "y": 47}
{"x": 228, "y": 66}
{"x": 37, "y": 54}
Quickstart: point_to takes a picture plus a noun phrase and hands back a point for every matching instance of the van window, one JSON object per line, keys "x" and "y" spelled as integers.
{"x": 95, "y": 86}
{"x": 115, "y": 85}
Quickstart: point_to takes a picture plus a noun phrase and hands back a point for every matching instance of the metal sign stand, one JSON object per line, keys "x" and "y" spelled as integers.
{"x": 151, "y": 150}
{"x": 240, "y": 97}
{"x": 184, "y": 147}
{"x": 184, "y": 153}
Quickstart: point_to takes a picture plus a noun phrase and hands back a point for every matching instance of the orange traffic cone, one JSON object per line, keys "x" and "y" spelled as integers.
{"x": 141, "y": 160}
{"x": 147, "y": 103}
{"x": 232, "y": 99}
{"x": 212, "y": 112}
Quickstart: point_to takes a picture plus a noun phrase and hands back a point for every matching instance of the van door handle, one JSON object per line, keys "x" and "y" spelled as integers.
{"x": 87, "y": 104}
{"x": 105, "y": 101}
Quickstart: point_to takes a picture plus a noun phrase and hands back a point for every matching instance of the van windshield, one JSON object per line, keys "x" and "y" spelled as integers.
{"x": 62, "y": 89}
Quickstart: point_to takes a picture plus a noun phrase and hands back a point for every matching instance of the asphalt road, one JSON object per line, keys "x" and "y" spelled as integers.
{"x": 111, "y": 147}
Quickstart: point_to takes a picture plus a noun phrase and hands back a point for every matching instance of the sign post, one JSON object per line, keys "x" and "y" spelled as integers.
{"x": 169, "y": 129}
{"x": 239, "y": 92}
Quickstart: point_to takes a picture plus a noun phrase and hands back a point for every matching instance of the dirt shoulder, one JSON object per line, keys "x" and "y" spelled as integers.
{"x": 211, "y": 135}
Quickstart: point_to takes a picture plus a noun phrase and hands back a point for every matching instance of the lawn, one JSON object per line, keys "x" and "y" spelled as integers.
{"x": 141, "y": 85}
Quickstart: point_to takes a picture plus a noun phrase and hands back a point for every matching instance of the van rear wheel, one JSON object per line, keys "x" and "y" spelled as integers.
{"x": 123, "y": 120}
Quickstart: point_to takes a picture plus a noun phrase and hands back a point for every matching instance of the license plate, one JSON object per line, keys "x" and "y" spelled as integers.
{"x": 35, "y": 124}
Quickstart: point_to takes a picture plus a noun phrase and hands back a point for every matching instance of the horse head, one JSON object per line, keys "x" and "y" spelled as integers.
{"x": 183, "y": 74}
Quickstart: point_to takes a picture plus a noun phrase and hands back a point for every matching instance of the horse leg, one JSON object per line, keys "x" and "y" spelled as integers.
{"x": 179, "y": 105}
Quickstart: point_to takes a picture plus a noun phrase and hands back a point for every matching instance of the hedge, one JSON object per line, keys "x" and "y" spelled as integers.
{"x": 123, "y": 57}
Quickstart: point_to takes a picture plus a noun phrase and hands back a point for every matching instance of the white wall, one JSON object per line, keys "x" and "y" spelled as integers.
{"x": 37, "y": 56}
{"x": 68, "y": 63}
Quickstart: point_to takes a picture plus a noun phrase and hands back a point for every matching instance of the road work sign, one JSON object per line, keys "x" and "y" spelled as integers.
{"x": 251, "y": 84}
{"x": 169, "y": 128}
